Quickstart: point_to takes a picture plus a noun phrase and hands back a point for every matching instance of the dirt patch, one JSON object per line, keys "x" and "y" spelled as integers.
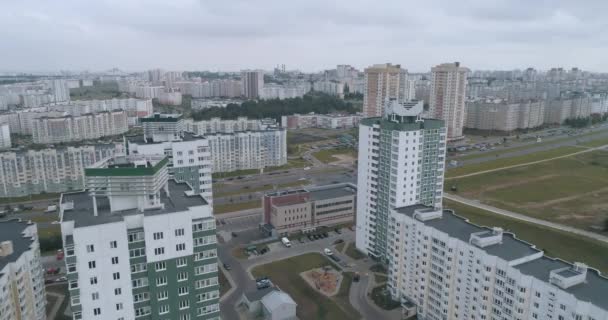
{"x": 343, "y": 159}
{"x": 324, "y": 280}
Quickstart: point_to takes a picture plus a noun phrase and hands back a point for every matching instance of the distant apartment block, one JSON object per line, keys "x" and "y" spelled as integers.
{"x": 221, "y": 88}
{"x": 21, "y": 274}
{"x": 135, "y": 108}
{"x": 69, "y": 128}
{"x": 333, "y": 88}
{"x": 170, "y": 98}
{"x": 284, "y": 91}
{"x": 444, "y": 267}
{"x": 568, "y": 107}
{"x": 149, "y": 92}
{"x": 163, "y": 127}
{"x": 252, "y": 83}
{"x": 27, "y": 172}
{"x": 500, "y": 115}
{"x": 5, "y": 136}
{"x": 382, "y": 83}
{"x": 324, "y": 121}
{"x": 305, "y": 209}
{"x": 139, "y": 245}
{"x": 218, "y": 125}
{"x": 447, "y": 97}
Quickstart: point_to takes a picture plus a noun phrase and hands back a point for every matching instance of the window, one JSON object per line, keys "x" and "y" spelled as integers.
{"x": 114, "y": 260}
{"x": 179, "y": 232}
{"x": 184, "y": 316}
{"x": 144, "y": 311}
{"x": 144, "y": 296}
{"x": 119, "y": 306}
{"x": 93, "y": 280}
{"x": 95, "y": 296}
{"x": 138, "y": 267}
{"x": 161, "y": 281}
{"x": 90, "y": 248}
{"x": 180, "y": 247}
{"x": 159, "y": 251}
{"x": 182, "y": 291}
{"x": 157, "y": 235}
{"x": 184, "y": 304}
{"x": 162, "y": 295}
{"x": 182, "y": 276}
{"x": 138, "y": 283}
{"x": 71, "y": 268}
{"x": 113, "y": 244}
{"x": 136, "y": 236}
{"x": 208, "y": 309}
{"x": 116, "y": 275}
{"x": 73, "y": 284}
{"x": 182, "y": 262}
{"x": 160, "y": 266}
{"x": 91, "y": 264}
{"x": 134, "y": 253}
{"x": 117, "y": 291}
{"x": 163, "y": 309}
{"x": 97, "y": 311}
{"x": 201, "y": 297}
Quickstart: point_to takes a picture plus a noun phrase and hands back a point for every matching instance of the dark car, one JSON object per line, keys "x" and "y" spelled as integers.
{"x": 334, "y": 257}
{"x": 309, "y": 237}
{"x": 325, "y": 235}
{"x": 227, "y": 266}
{"x": 262, "y": 285}
{"x": 356, "y": 277}
{"x": 234, "y": 234}
{"x": 338, "y": 241}
{"x": 337, "y": 230}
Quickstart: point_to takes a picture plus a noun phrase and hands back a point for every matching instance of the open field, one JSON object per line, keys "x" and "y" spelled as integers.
{"x": 329, "y": 155}
{"x": 223, "y": 208}
{"x": 555, "y": 243}
{"x": 505, "y": 162}
{"x": 311, "y": 304}
{"x": 265, "y": 187}
{"x": 570, "y": 191}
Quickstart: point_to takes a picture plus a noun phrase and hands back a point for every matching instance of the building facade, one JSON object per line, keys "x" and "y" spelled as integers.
{"x": 21, "y": 274}
{"x": 383, "y": 82}
{"x": 5, "y": 136}
{"x": 77, "y": 128}
{"x": 448, "y": 268}
{"x": 500, "y": 115}
{"x": 304, "y": 210}
{"x": 447, "y": 97}
{"x": 27, "y": 172}
{"x": 139, "y": 248}
{"x": 252, "y": 82}
{"x": 163, "y": 127}
{"x": 401, "y": 163}
{"x": 333, "y": 88}
{"x": 324, "y": 121}
{"x": 218, "y": 125}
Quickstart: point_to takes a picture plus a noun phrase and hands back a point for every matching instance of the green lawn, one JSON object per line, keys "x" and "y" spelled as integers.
{"x": 224, "y": 208}
{"x": 340, "y": 246}
{"x": 555, "y": 243}
{"x": 505, "y": 162}
{"x": 34, "y": 197}
{"x": 569, "y": 190}
{"x": 327, "y": 155}
{"x": 291, "y": 164}
{"x": 353, "y": 252}
{"x": 595, "y": 143}
{"x": 311, "y": 304}
{"x": 380, "y": 278}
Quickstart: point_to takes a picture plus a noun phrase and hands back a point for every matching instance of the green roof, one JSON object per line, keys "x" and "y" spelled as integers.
{"x": 125, "y": 171}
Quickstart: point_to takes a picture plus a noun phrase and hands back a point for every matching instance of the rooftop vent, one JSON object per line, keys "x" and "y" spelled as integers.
{"x": 486, "y": 238}
{"x": 6, "y": 248}
{"x": 428, "y": 214}
{"x": 569, "y": 276}
{"x": 68, "y": 205}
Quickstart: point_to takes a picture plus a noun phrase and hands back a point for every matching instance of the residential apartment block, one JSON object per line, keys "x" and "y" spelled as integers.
{"x": 305, "y": 209}
{"x": 401, "y": 163}
{"x": 218, "y": 125}
{"x": 500, "y": 115}
{"x": 568, "y": 107}
{"x": 77, "y": 128}
{"x": 447, "y": 97}
{"x": 27, "y": 172}
{"x": 383, "y": 82}
{"x": 163, "y": 127}
{"x": 325, "y": 121}
{"x": 252, "y": 82}
{"x": 445, "y": 267}
{"x": 5, "y": 136}
{"x": 333, "y": 88}
{"x": 139, "y": 245}
{"x": 22, "y": 294}
{"x": 284, "y": 91}
{"x": 225, "y": 88}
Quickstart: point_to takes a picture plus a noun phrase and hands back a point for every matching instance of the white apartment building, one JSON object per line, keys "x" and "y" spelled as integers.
{"x": 401, "y": 163}
{"x": 89, "y": 126}
{"x": 59, "y": 90}
{"x": 27, "y": 172}
{"x": 218, "y": 125}
{"x": 333, "y": 88}
{"x": 139, "y": 245}
{"x": 170, "y": 98}
{"x": 149, "y": 92}
{"x": 189, "y": 160}
{"x": 325, "y": 121}
{"x": 248, "y": 149}
{"x": 220, "y": 88}
{"x": 5, "y": 136}
{"x": 445, "y": 267}
{"x": 21, "y": 273}
{"x": 447, "y": 97}
{"x": 284, "y": 91}
{"x": 568, "y": 107}
{"x": 383, "y": 82}
{"x": 252, "y": 82}
{"x": 500, "y": 115}
{"x": 135, "y": 108}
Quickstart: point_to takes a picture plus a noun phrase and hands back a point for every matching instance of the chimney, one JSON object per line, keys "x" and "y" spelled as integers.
{"x": 6, "y": 248}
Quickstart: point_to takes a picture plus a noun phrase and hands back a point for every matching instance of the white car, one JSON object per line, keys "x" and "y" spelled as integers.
{"x": 327, "y": 252}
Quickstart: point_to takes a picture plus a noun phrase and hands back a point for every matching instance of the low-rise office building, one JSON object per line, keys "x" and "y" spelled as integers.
{"x": 21, "y": 275}
{"x": 444, "y": 267}
{"x": 305, "y": 209}
{"x": 139, "y": 245}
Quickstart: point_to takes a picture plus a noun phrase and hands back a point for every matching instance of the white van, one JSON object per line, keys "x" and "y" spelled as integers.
{"x": 286, "y": 242}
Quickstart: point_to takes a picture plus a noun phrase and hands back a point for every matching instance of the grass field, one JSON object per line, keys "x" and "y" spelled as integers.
{"x": 34, "y": 197}
{"x": 569, "y": 191}
{"x": 352, "y": 252}
{"x": 311, "y": 304}
{"x": 328, "y": 155}
{"x": 224, "y": 208}
{"x": 505, "y": 162}
{"x": 291, "y": 164}
{"x": 555, "y": 243}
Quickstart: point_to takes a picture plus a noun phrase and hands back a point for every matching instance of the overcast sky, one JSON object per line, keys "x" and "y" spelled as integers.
{"x": 310, "y": 35}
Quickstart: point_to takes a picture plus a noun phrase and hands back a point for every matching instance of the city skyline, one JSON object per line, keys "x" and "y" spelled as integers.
{"x": 191, "y": 35}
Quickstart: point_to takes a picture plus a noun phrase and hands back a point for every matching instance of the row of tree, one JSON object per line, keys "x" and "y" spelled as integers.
{"x": 274, "y": 108}
{"x": 587, "y": 121}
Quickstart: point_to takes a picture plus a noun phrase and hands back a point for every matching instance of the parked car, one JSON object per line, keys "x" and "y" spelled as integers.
{"x": 234, "y": 234}
{"x": 337, "y": 230}
{"x": 61, "y": 279}
{"x": 227, "y": 266}
{"x": 356, "y": 277}
{"x": 338, "y": 241}
{"x": 335, "y": 258}
{"x": 327, "y": 251}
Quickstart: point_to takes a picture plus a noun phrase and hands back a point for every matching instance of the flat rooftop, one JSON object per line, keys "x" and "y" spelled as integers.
{"x": 12, "y": 230}
{"x": 332, "y": 191}
{"x": 82, "y": 214}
